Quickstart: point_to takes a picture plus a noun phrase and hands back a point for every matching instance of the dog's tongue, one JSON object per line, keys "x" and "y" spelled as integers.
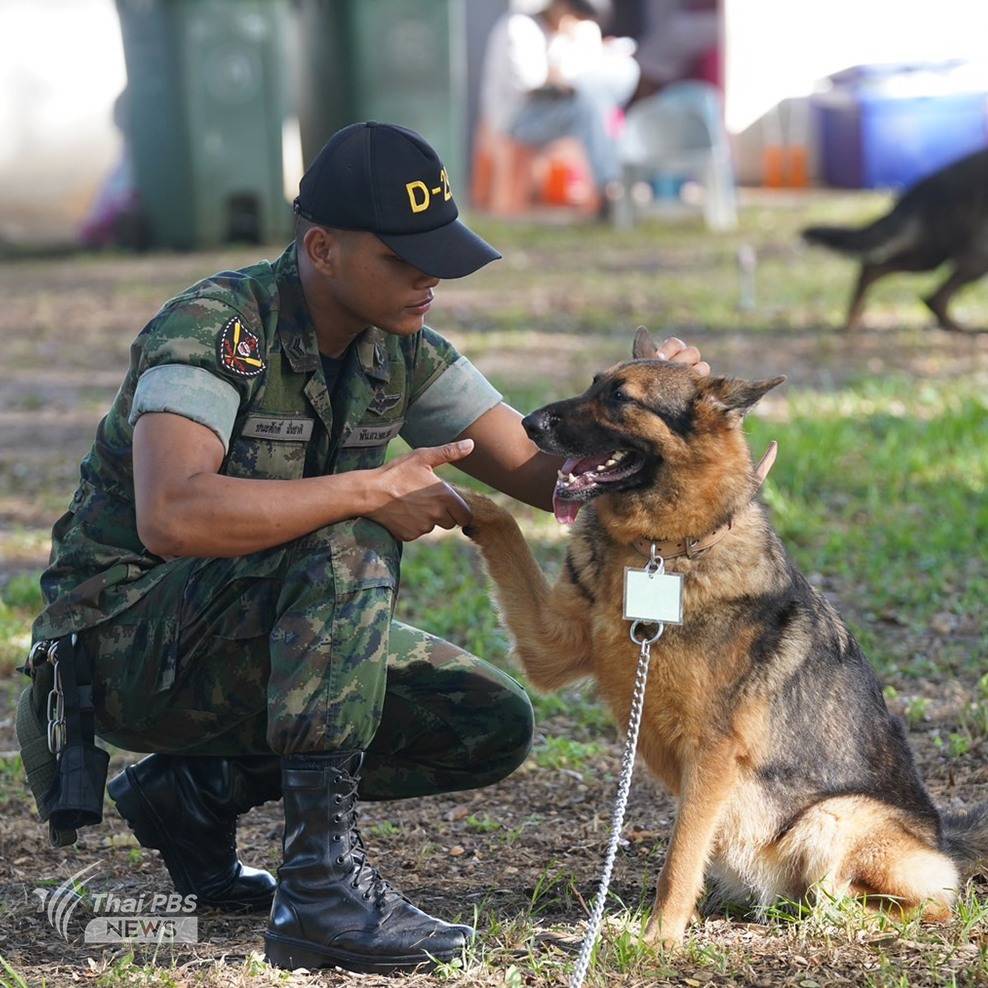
{"x": 564, "y": 509}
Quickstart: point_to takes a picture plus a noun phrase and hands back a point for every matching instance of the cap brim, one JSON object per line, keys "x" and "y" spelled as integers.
{"x": 450, "y": 251}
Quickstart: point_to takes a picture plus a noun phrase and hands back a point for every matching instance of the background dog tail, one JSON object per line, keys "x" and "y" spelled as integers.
{"x": 965, "y": 837}
{"x": 887, "y": 236}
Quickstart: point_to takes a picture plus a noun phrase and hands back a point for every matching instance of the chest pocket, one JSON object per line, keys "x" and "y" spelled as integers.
{"x": 363, "y": 444}
{"x": 270, "y": 447}
{"x": 270, "y": 441}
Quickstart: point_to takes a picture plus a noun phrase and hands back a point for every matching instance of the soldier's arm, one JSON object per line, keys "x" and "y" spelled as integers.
{"x": 185, "y": 508}
{"x": 504, "y": 457}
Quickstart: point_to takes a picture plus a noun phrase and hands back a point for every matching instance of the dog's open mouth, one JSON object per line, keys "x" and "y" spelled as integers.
{"x": 583, "y": 478}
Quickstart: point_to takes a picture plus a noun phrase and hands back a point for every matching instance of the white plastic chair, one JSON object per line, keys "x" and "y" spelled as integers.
{"x": 678, "y": 132}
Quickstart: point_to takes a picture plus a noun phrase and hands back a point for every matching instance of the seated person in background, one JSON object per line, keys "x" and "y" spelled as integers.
{"x": 551, "y": 75}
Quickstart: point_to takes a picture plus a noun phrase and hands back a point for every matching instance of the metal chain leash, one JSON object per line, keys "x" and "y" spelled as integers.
{"x": 620, "y": 804}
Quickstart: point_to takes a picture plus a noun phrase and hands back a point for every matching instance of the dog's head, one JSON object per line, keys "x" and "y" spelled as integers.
{"x": 656, "y": 433}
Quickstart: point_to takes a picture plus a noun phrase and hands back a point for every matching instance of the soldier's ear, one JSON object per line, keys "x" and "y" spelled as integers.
{"x": 321, "y": 245}
{"x": 733, "y": 396}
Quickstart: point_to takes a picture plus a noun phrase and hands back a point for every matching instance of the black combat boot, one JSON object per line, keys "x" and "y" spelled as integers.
{"x": 332, "y": 908}
{"x": 187, "y": 808}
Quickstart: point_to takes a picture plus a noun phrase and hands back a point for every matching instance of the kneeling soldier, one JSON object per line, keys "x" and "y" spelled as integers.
{"x": 229, "y": 562}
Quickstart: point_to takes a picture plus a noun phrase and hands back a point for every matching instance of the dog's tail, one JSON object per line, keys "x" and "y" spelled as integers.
{"x": 874, "y": 243}
{"x": 965, "y": 839}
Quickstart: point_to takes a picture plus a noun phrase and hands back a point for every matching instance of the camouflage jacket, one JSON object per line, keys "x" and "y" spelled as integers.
{"x": 238, "y": 353}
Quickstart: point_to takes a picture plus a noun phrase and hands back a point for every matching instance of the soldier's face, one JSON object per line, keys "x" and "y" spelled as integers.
{"x": 377, "y": 288}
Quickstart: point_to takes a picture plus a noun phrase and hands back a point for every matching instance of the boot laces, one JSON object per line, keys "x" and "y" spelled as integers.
{"x": 381, "y": 889}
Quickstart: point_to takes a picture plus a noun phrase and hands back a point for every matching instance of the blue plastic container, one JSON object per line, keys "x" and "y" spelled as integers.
{"x": 873, "y": 137}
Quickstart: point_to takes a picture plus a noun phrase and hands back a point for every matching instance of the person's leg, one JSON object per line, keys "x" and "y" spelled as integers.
{"x": 287, "y": 651}
{"x": 450, "y": 722}
{"x": 184, "y": 674}
{"x": 280, "y": 652}
{"x": 185, "y": 671}
{"x": 544, "y": 120}
{"x": 325, "y": 602}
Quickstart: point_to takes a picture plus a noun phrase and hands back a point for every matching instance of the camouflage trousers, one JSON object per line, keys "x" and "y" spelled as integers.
{"x": 267, "y": 653}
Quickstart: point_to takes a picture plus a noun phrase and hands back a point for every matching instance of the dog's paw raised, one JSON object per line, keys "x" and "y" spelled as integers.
{"x": 486, "y": 514}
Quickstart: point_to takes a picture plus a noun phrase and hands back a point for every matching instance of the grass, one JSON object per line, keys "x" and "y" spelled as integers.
{"x": 556, "y": 752}
{"x": 20, "y": 601}
{"x": 9, "y": 977}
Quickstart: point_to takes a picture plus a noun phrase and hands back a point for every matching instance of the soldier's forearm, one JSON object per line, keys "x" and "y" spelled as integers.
{"x": 532, "y": 482}
{"x": 508, "y": 460}
{"x": 216, "y": 516}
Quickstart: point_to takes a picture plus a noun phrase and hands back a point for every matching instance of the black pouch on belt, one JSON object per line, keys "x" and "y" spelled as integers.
{"x": 56, "y": 731}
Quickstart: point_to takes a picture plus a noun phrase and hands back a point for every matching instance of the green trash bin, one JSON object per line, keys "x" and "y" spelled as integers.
{"x": 395, "y": 61}
{"x": 204, "y": 118}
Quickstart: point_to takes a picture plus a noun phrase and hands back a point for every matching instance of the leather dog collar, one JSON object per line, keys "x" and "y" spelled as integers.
{"x": 670, "y": 549}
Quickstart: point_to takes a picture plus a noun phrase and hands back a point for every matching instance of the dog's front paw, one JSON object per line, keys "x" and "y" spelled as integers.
{"x": 664, "y": 933}
{"x": 487, "y": 515}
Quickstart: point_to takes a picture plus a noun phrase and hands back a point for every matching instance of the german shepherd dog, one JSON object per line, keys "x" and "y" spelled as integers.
{"x": 943, "y": 217}
{"x": 761, "y": 714}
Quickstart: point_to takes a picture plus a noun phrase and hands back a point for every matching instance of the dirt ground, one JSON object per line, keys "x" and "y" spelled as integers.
{"x": 451, "y": 869}
{"x": 523, "y": 856}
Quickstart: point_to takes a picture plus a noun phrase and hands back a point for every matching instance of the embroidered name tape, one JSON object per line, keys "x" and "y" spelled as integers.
{"x": 372, "y": 435}
{"x": 277, "y": 428}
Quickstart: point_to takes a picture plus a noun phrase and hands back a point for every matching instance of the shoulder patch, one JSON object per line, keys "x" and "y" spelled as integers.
{"x": 238, "y": 349}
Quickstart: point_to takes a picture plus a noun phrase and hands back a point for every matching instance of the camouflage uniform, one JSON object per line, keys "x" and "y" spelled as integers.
{"x": 294, "y": 648}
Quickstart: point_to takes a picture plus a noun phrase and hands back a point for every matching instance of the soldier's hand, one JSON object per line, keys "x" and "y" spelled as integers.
{"x": 415, "y": 499}
{"x": 678, "y": 352}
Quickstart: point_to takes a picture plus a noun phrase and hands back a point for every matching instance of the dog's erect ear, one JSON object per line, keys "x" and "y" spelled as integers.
{"x": 732, "y": 394}
{"x": 644, "y": 348}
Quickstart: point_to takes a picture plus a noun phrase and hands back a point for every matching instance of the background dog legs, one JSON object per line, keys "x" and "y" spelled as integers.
{"x": 963, "y": 275}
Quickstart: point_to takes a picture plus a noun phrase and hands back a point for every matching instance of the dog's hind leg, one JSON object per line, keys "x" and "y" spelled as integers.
{"x": 548, "y": 623}
{"x": 706, "y": 791}
{"x": 938, "y": 302}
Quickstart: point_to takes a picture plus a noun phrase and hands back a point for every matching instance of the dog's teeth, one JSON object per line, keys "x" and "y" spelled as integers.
{"x": 610, "y": 462}
{"x": 572, "y": 477}
{"x": 600, "y": 469}
{"x": 620, "y": 454}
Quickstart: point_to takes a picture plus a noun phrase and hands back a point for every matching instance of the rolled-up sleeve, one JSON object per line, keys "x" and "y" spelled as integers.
{"x": 192, "y": 392}
{"x": 452, "y": 402}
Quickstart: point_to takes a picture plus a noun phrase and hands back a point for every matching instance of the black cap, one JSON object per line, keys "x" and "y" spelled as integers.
{"x": 387, "y": 180}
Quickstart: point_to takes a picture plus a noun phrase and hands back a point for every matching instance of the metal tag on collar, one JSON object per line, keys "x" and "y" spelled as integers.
{"x": 652, "y": 594}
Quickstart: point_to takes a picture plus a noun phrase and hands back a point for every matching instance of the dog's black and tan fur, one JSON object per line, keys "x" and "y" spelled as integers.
{"x": 761, "y": 713}
{"x": 942, "y": 219}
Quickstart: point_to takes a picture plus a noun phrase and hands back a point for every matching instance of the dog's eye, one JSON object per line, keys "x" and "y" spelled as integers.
{"x": 619, "y": 394}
